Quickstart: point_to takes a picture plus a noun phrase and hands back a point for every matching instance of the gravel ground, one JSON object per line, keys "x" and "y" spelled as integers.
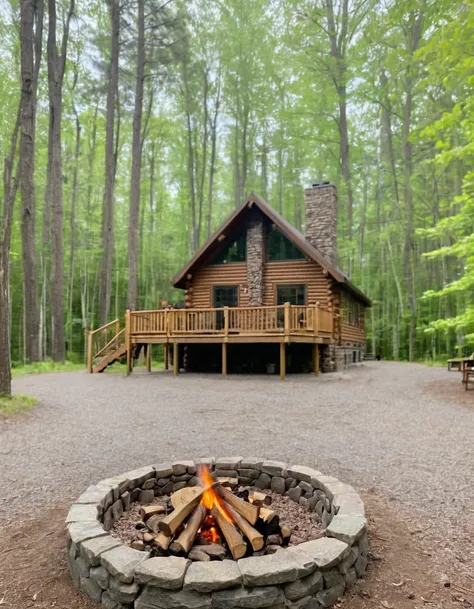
{"x": 374, "y": 426}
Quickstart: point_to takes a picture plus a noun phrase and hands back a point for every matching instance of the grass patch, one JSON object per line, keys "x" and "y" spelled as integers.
{"x": 16, "y": 404}
{"x": 47, "y": 366}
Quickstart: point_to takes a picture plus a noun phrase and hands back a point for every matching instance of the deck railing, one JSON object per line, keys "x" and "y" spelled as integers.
{"x": 104, "y": 339}
{"x": 284, "y": 319}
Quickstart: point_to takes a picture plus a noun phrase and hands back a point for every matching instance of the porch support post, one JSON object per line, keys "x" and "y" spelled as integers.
{"x": 128, "y": 342}
{"x": 316, "y": 359}
{"x": 224, "y": 359}
{"x": 175, "y": 359}
{"x": 89, "y": 352}
{"x": 148, "y": 358}
{"x": 166, "y": 355}
{"x": 282, "y": 361}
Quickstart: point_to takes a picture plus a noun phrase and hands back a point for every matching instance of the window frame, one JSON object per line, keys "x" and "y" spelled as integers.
{"x": 233, "y": 239}
{"x": 292, "y": 285}
{"x": 271, "y": 232}
{"x": 223, "y": 287}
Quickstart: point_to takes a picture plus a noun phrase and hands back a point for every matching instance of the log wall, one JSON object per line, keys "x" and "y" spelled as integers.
{"x": 218, "y": 274}
{"x": 294, "y": 272}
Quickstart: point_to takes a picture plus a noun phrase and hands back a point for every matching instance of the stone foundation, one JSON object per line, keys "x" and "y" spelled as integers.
{"x": 312, "y": 574}
{"x": 335, "y": 358}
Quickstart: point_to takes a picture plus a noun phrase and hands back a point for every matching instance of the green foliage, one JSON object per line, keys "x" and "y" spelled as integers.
{"x": 16, "y": 404}
{"x": 265, "y": 72}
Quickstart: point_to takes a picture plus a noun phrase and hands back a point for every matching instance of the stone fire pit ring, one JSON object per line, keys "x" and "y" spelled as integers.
{"x": 310, "y": 575}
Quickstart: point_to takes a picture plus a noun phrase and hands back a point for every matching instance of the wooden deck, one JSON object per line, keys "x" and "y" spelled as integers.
{"x": 270, "y": 324}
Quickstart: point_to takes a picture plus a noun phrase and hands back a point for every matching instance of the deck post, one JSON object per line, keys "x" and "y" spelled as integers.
{"x": 286, "y": 330}
{"x": 175, "y": 359}
{"x": 166, "y": 355}
{"x": 224, "y": 359}
{"x": 316, "y": 359}
{"x": 117, "y": 330}
{"x": 89, "y": 352}
{"x": 128, "y": 342}
{"x": 148, "y": 357}
{"x": 226, "y": 321}
{"x": 282, "y": 361}
{"x": 316, "y": 320}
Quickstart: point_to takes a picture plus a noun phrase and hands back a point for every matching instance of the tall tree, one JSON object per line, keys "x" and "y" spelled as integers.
{"x": 105, "y": 287}
{"x": 137, "y": 146}
{"x": 56, "y": 69}
{"x": 10, "y": 185}
{"x": 31, "y": 36}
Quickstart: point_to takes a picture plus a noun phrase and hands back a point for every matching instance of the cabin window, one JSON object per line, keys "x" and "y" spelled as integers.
{"x": 294, "y": 294}
{"x": 225, "y": 296}
{"x": 281, "y": 248}
{"x": 235, "y": 251}
{"x": 352, "y": 311}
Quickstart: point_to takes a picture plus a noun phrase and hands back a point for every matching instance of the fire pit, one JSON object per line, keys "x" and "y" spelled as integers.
{"x": 206, "y": 534}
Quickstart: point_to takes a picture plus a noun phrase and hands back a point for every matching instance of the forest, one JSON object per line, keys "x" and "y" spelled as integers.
{"x": 129, "y": 129}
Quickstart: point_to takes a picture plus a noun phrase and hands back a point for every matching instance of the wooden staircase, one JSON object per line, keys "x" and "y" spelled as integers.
{"x": 106, "y": 345}
{"x": 110, "y": 358}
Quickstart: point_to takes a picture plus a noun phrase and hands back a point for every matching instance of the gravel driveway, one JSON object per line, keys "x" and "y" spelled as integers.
{"x": 374, "y": 426}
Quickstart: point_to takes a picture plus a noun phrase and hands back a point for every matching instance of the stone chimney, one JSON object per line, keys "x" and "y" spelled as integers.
{"x": 320, "y": 215}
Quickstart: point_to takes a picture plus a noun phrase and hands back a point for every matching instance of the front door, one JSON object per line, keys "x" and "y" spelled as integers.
{"x": 224, "y": 296}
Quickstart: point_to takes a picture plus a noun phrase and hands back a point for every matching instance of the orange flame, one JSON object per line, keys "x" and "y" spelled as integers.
{"x": 210, "y": 498}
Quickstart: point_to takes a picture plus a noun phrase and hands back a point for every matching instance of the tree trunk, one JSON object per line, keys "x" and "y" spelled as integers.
{"x": 412, "y": 44}
{"x": 212, "y": 168}
{"x": 136, "y": 164}
{"x": 72, "y": 249}
{"x": 10, "y": 185}
{"x": 105, "y": 287}
{"x": 29, "y": 80}
{"x": 56, "y": 68}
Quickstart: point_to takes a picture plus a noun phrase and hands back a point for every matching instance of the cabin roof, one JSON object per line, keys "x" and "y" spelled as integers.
{"x": 290, "y": 232}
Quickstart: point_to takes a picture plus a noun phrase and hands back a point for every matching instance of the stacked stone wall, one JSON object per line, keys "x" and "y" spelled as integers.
{"x": 255, "y": 260}
{"x": 310, "y": 575}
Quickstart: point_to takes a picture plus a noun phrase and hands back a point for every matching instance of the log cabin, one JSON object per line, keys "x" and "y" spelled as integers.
{"x": 259, "y": 296}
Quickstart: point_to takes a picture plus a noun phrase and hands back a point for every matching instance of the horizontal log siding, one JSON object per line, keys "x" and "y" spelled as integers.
{"x": 352, "y": 334}
{"x": 296, "y": 271}
{"x": 218, "y": 274}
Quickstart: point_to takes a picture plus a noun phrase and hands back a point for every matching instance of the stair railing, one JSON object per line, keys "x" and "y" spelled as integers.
{"x": 101, "y": 339}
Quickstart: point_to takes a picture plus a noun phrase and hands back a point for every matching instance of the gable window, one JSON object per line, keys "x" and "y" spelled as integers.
{"x": 235, "y": 251}
{"x": 281, "y": 248}
{"x": 294, "y": 294}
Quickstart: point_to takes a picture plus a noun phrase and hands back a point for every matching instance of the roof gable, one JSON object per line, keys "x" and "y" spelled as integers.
{"x": 294, "y": 235}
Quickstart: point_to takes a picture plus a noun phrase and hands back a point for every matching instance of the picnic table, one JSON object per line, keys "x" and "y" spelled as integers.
{"x": 467, "y": 369}
{"x": 454, "y": 363}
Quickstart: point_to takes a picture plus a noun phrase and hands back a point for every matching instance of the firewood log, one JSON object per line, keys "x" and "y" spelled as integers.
{"x": 185, "y": 494}
{"x": 185, "y": 540}
{"x": 258, "y": 498}
{"x": 255, "y": 538}
{"x": 170, "y": 523}
{"x": 234, "y": 539}
{"x": 245, "y": 509}
{"x": 162, "y": 540}
{"x": 150, "y": 510}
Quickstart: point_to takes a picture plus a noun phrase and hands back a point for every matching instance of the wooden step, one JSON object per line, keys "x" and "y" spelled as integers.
{"x": 110, "y": 359}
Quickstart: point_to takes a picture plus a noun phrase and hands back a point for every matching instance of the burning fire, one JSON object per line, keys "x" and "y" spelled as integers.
{"x": 210, "y": 498}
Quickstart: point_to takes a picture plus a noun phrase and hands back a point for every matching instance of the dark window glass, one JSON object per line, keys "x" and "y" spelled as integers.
{"x": 226, "y": 296}
{"x": 294, "y": 294}
{"x": 235, "y": 251}
{"x": 281, "y": 248}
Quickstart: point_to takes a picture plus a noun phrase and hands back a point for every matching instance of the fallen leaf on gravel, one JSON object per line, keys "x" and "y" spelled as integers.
{"x": 2, "y": 600}
{"x": 35, "y": 596}
{"x": 425, "y": 600}
{"x": 387, "y": 605}
{"x": 398, "y": 584}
